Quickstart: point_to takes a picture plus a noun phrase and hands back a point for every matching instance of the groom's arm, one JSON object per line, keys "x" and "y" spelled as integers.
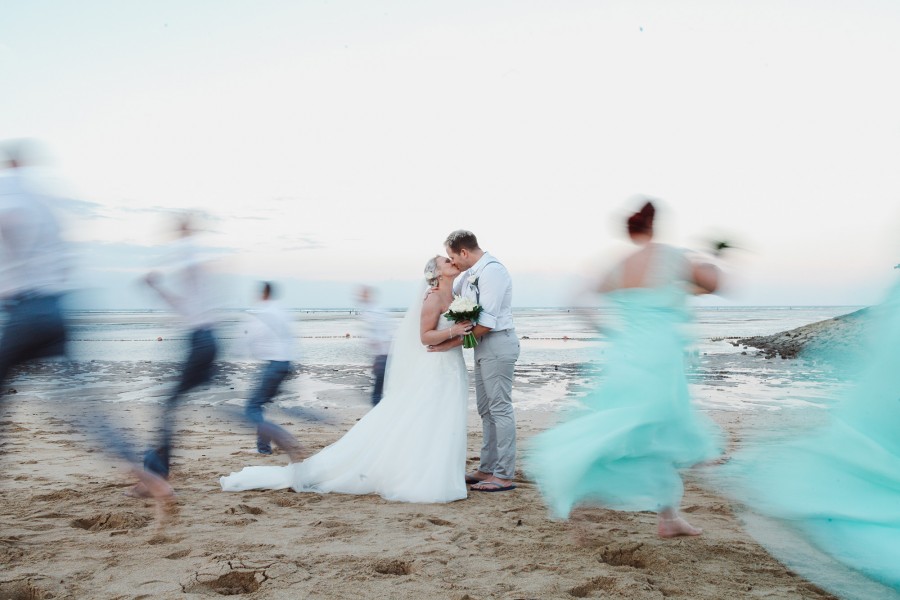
{"x": 493, "y": 285}
{"x": 447, "y": 345}
{"x": 480, "y": 330}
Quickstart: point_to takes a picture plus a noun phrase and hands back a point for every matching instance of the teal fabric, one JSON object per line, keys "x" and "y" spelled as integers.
{"x": 839, "y": 486}
{"x": 623, "y": 447}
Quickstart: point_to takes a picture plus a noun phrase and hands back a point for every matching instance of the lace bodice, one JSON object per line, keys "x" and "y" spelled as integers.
{"x": 444, "y": 323}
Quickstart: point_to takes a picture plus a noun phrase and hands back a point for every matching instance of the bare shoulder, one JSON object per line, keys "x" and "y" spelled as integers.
{"x": 431, "y": 312}
{"x": 432, "y": 304}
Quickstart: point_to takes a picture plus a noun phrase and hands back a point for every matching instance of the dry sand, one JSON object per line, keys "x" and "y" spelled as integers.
{"x": 67, "y": 530}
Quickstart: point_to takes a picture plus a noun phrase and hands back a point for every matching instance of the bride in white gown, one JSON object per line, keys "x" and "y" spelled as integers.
{"x": 411, "y": 447}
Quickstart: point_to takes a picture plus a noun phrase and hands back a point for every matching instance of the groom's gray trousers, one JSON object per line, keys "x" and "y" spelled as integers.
{"x": 495, "y": 362}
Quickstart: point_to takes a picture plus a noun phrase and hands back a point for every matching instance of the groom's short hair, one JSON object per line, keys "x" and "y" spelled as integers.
{"x": 460, "y": 239}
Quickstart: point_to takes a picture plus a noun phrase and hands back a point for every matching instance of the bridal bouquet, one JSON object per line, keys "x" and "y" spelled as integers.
{"x": 464, "y": 309}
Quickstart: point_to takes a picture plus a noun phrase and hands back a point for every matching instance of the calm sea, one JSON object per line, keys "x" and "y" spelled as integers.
{"x": 723, "y": 376}
{"x": 549, "y": 336}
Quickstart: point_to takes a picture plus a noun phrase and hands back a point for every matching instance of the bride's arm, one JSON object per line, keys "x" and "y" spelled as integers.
{"x": 430, "y": 335}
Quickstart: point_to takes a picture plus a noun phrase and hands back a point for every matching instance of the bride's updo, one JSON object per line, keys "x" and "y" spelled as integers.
{"x": 431, "y": 271}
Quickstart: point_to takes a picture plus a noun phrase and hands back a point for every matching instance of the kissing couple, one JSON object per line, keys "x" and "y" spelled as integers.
{"x": 411, "y": 447}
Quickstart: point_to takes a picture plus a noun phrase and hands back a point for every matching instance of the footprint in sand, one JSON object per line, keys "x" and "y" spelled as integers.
{"x": 624, "y": 555}
{"x": 392, "y": 566}
{"x": 111, "y": 521}
{"x": 21, "y": 590}
{"x": 244, "y": 509}
{"x": 233, "y": 583}
{"x": 288, "y": 501}
{"x": 334, "y": 529}
{"x": 598, "y": 584}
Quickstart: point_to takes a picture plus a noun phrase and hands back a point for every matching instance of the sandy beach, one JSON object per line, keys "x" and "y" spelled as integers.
{"x": 69, "y": 532}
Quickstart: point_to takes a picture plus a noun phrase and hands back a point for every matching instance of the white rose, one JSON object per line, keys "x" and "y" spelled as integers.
{"x": 462, "y": 304}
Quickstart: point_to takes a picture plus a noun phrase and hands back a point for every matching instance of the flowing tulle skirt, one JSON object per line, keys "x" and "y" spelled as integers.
{"x": 622, "y": 449}
{"x": 409, "y": 448}
{"x": 839, "y": 486}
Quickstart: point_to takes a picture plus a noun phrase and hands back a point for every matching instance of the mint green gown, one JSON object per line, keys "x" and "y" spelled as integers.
{"x": 838, "y": 486}
{"x": 623, "y": 448}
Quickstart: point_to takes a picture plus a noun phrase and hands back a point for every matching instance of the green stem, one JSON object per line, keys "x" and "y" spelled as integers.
{"x": 469, "y": 340}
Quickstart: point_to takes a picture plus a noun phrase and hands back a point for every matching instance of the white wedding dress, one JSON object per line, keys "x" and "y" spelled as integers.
{"x": 411, "y": 447}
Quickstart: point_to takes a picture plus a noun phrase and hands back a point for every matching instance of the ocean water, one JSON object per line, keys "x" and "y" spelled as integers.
{"x": 549, "y": 336}
{"x": 723, "y": 376}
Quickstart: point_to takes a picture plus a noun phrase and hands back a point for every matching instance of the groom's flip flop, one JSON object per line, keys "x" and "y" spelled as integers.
{"x": 472, "y": 479}
{"x": 497, "y": 487}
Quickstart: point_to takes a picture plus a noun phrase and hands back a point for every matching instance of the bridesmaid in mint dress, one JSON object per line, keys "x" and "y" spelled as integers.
{"x": 623, "y": 448}
{"x": 838, "y": 486}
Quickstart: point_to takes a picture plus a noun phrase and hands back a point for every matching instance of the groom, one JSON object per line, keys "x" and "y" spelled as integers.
{"x": 487, "y": 282}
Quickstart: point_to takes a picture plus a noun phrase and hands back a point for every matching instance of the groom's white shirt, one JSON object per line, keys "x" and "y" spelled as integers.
{"x": 493, "y": 293}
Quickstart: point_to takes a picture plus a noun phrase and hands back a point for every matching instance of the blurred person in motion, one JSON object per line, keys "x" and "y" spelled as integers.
{"x": 34, "y": 263}
{"x": 835, "y": 486}
{"x": 271, "y": 341}
{"x": 622, "y": 449}
{"x": 190, "y": 292}
{"x": 378, "y": 338}
{"x": 34, "y": 266}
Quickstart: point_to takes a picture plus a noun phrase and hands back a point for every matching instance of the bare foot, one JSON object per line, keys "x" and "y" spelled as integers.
{"x": 675, "y": 526}
{"x": 157, "y": 488}
{"x": 138, "y": 490}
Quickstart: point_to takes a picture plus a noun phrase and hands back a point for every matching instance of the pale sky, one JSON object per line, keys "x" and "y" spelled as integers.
{"x": 336, "y": 143}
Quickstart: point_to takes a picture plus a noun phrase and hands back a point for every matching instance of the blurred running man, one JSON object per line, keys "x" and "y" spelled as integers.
{"x": 191, "y": 294}
{"x": 272, "y": 342}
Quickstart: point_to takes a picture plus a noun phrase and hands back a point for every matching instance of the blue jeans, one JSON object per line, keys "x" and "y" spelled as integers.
{"x": 273, "y": 373}
{"x": 378, "y": 372}
{"x": 198, "y": 369}
{"x": 34, "y": 329}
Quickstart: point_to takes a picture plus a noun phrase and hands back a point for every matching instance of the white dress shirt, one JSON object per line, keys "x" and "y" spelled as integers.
{"x": 33, "y": 255}
{"x": 377, "y": 329}
{"x": 489, "y": 284}
{"x": 270, "y": 336}
{"x": 194, "y": 294}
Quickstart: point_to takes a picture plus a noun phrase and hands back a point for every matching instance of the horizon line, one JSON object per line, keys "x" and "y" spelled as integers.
{"x": 398, "y": 308}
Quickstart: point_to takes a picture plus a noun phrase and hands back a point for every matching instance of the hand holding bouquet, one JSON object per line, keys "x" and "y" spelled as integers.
{"x": 464, "y": 309}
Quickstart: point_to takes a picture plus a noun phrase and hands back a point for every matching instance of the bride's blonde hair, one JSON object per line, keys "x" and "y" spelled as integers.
{"x": 431, "y": 271}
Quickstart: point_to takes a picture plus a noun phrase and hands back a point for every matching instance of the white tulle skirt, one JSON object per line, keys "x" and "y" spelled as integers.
{"x": 411, "y": 447}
